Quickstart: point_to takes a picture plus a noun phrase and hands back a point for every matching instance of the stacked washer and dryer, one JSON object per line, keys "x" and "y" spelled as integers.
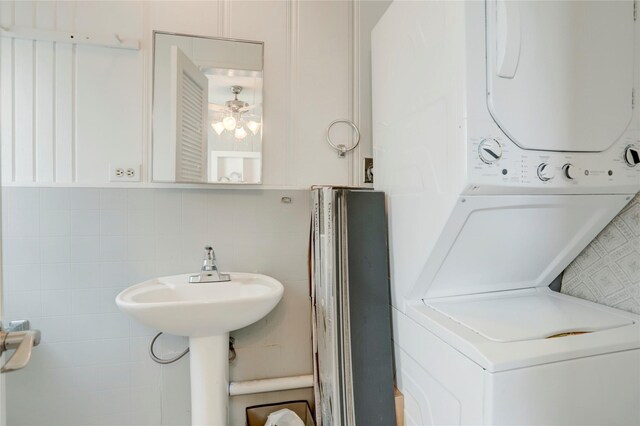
{"x": 506, "y": 136}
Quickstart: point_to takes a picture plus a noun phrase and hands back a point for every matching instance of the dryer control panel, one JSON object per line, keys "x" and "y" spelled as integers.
{"x": 495, "y": 164}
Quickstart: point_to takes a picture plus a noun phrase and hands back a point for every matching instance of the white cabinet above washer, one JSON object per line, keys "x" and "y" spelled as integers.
{"x": 560, "y": 74}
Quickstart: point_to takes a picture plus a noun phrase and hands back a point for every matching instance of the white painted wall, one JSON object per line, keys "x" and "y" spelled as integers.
{"x": 68, "y": 111}
{"x": 367, "y": 14}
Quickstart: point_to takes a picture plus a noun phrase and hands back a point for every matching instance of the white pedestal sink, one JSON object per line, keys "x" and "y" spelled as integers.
{"x": 206, "y": 313}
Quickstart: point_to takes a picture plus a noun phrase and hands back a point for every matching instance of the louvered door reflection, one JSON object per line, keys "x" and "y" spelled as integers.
{"x": 189, "y": 89}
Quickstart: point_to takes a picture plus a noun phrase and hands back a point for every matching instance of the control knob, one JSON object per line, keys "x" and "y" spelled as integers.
{"x": 568, "y": 172}
{"x": 631, "y": 156}
{"x": 489, "y": 150}
{"x": 545, "y": 172}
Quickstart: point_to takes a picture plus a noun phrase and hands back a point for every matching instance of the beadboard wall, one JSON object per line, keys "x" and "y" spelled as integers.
{"x": 68, "y": 111}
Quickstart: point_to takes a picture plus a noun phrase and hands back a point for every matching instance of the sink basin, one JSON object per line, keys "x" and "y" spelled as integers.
{"x": 175, "y": 306}
{"x": 206, "y": 313}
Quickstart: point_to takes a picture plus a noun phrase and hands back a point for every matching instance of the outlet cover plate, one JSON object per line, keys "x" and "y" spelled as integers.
{"x": 124, "y": 173}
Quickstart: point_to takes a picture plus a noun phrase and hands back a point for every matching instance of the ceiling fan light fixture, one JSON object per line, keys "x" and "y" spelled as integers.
{"x": 253, "y": 126}
{"x": 218, "y": 127}
{"x": 240, "y": 133}
{"x": 229, "y": 123}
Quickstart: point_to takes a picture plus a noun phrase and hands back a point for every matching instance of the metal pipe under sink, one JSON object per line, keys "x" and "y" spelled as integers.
{"x": 270, "y": 385}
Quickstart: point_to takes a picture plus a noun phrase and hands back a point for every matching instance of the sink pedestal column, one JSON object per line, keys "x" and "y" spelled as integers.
{"x": 209, "y": 380}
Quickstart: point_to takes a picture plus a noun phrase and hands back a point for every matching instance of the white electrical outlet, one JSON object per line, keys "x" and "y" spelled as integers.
{"x": 124, "y": 173}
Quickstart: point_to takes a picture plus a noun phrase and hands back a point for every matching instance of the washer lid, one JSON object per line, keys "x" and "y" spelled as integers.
{"x": 512, "y": 316}
{"x": 496, "y": 243}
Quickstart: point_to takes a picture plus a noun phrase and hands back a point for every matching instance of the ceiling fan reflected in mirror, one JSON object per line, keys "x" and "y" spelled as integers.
{"x": 233, "y": 115}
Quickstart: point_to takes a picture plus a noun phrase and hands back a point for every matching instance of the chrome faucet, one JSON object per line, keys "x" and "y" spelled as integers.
{"x": 209, "y": 272}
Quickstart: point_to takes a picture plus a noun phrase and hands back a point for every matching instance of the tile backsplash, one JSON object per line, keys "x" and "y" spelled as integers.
{"x": 67, "y": 252}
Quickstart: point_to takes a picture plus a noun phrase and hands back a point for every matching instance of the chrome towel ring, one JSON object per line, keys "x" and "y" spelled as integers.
{"x": 342, "y": 150}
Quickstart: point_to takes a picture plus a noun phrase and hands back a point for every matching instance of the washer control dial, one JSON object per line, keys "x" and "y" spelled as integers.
{"x": 545, "y": 172}
{"x": 632, "y": 156}
{"x": 489, "y": 150}
{"x": 568, "y": 171}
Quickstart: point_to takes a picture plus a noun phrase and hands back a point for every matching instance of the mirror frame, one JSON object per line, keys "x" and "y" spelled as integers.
{"x": 153, "y": 80}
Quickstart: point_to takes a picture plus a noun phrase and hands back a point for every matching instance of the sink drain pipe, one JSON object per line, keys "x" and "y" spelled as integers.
{"x": 248, "y": 386}
{"x": 270, "y": 385}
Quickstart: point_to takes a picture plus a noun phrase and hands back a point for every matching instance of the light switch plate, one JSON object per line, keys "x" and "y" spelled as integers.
{"x": 368, "y": 170}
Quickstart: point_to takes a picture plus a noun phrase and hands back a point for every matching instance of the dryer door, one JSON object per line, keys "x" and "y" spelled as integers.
{"x": 560, "y": 73}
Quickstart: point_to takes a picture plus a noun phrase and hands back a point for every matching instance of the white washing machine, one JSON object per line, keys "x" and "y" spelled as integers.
{"x": 506, "y": 136}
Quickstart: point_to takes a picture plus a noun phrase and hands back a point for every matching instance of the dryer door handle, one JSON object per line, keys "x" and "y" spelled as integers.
{"x": 507, "y": 38}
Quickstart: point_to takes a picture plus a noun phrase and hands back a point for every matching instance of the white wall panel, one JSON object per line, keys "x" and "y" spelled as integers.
{"x": 108, "y": 111}
{"x": 368, "y": 14}
{"x": 108, "y": 91}
{"x": 24, "y": 13}
{"x": 323, "y": 91}
{"x": 109, "y": 18}
{"x": 44, "y": 111}
{"x": 6, "y": 98}
{"x": 64, "y": 77}
{"x": 6, "y": 105}
{"x": 23, "y": 102}
{"x": 45, "y": 15}
{"x": 65, "y": 13}
{"x": 187, "y": 17}
{"x": 6, "y": 13}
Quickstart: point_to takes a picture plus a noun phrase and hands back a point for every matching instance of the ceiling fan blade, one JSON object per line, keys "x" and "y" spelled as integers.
{"x": 252, "y": 117}
{"x": 216, "y": 107}
{"x": 249, "y": 108}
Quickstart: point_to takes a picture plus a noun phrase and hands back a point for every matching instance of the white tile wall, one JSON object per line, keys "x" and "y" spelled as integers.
{"x": 68, "y": 251}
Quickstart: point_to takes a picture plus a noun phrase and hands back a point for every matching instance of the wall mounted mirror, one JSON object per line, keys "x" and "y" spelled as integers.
{"x": 207, "y": 109}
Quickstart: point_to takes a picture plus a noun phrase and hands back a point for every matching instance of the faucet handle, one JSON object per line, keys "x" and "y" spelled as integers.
{"x": 209, "y": 253}
{"x": 209, "y": 262}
